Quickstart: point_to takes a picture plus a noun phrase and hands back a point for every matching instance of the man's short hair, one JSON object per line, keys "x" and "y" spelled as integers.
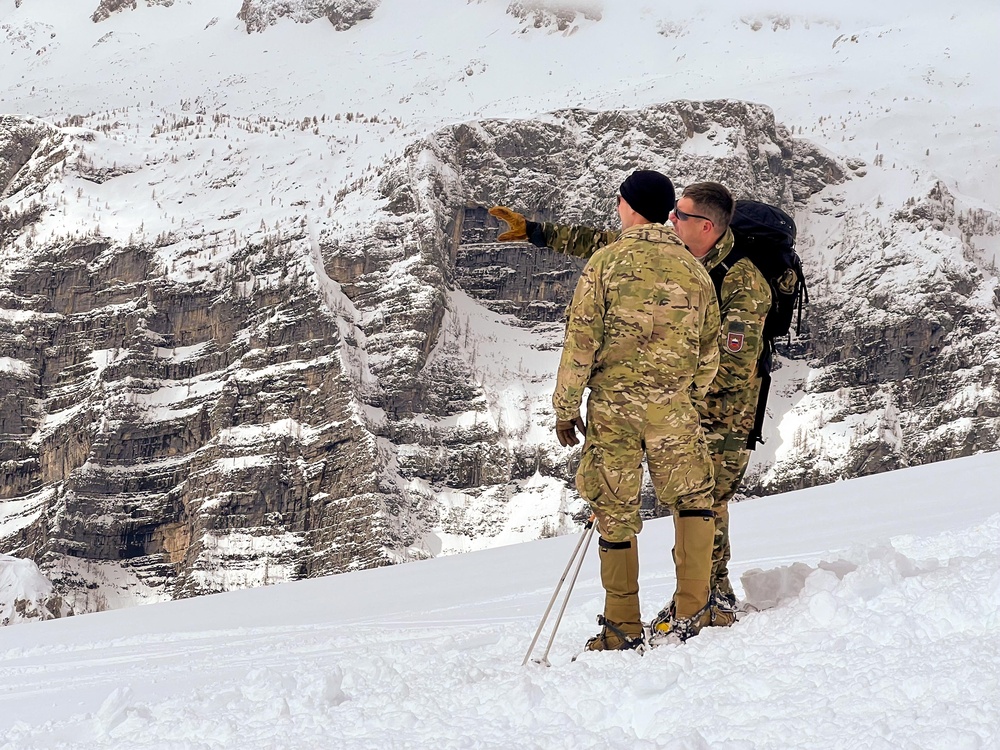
{"x": 713, "y": 200}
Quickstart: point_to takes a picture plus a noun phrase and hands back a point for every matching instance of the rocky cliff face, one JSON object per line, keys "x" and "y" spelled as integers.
{"x": 195, "y": 433}
{"x": 107, "y": 8}
{"x": 206, "y": 404}
{"x": 343, "y": 14}
{"x": 903, "y": 368}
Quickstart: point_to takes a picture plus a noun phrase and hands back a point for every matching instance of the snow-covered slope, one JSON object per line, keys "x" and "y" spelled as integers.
{"x": 181, "y": 298}
{"x": 886, "y": 634}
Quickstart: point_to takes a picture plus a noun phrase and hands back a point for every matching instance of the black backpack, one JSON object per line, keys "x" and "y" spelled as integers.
{"x": 766, "y": 235}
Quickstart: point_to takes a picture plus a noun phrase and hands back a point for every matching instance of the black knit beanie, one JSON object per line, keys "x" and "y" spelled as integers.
{"x": 650, "y": 194}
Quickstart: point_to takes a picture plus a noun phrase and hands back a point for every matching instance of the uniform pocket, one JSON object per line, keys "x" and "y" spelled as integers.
{"x": 599, "y": 480}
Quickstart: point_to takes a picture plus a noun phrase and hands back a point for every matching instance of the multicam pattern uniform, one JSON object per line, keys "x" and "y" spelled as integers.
{"x": 642, "y": 334}
{"x": 728, "y": 410}
{"x": 582, "y": 242}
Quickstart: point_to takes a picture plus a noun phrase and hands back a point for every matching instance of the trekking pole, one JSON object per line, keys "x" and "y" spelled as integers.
{"x": 584, "y": 539}
{"x": 579, "y": 564}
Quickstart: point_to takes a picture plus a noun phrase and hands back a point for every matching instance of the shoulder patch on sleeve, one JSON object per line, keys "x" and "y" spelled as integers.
{"x": 735, "y": 337}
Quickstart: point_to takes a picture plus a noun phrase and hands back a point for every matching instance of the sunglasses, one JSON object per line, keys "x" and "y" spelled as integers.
{"x": 685, "y": 216}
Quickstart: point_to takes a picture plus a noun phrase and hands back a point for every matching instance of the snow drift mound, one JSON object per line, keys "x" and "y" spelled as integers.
{"x": 27, "y": 595}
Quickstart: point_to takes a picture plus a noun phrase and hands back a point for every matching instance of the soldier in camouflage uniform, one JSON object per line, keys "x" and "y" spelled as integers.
{"x": 701, "y": 219}
{"x": 641, "y": 334}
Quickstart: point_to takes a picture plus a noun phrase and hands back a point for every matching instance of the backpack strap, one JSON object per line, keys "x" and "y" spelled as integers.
{"x": 764, "y": 369}
{"x": 718, "y": 273}
{"x": 801, "y": 298}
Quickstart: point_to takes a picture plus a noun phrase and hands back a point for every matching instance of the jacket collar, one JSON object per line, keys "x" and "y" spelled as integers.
{"x": 660, "y": 232}
{"x": 719, "y": 251}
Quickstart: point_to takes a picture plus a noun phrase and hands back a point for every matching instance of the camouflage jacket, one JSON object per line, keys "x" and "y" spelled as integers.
{"x": 644, "y": 320}
{"x": 731, "y": 403}
{"x": 570, "y": 240}
{"x": 744, "y": 301}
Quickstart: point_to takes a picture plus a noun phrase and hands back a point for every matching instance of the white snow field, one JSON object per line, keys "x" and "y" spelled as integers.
{"x": 886, "y": 634}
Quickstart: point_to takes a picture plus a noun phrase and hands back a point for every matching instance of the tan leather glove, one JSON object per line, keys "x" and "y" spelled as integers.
{"x": 566, "y": 430}
{"x": 518, "y": 226}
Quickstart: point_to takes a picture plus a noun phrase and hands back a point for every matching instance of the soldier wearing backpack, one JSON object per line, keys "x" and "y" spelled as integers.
{"x": 701, "y": 219}
{"x": 729, "y": 415}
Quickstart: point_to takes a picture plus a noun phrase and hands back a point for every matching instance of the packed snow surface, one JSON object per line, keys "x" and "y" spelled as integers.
{"x": 885, "y": 633}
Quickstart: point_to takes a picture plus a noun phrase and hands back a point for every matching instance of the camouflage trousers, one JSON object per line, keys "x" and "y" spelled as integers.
{"x": 620, "y": 430}
{"x": 729, "y": 458}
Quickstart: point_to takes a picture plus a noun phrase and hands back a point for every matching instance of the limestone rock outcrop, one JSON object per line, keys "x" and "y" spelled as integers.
{"x": 108, "y": 8}
{"x": 343, "y": 14}
{"x": 202, "y": 410}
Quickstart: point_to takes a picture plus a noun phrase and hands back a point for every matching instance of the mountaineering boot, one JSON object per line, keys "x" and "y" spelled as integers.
{"x": 666, "y": 627}
{"x": 722, "y": 609}
{"x": 689, "y": 612}
{"x": 613, "y": 638}
{"x": 621, "y": 627}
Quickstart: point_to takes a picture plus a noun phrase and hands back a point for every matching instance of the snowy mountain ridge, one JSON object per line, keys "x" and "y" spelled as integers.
{"x": 207, "y": 353}
{"x": 250, "y": 337}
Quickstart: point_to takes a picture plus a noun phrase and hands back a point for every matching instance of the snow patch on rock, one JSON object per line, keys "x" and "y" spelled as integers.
{"x": 26, "y": 595}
